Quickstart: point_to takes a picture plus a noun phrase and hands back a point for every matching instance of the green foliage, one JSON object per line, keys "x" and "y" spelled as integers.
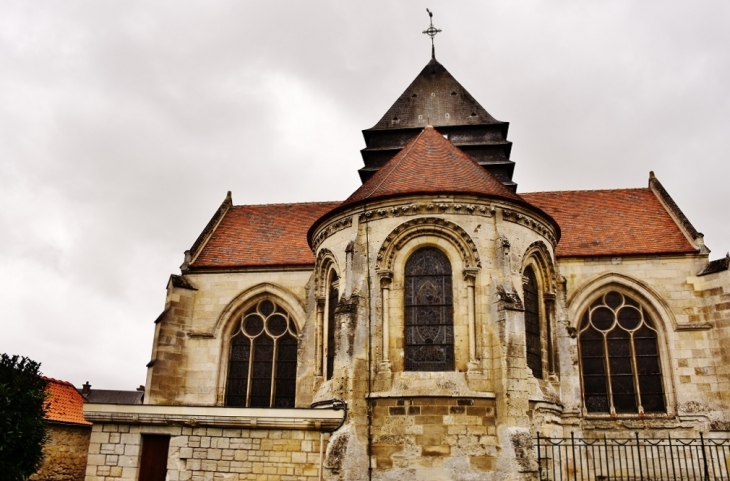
{"x": 22, "y": 428}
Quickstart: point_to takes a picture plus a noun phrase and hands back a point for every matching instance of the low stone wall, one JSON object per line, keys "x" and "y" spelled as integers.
{"x": 197, "y": 453}
{"x": 433, "y": 433}
{"x": 64, "y": 454}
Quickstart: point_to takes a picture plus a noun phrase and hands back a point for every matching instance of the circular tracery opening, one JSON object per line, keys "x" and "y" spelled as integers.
{"x": 620, "y": 357}
{"x": 263, "y": 358}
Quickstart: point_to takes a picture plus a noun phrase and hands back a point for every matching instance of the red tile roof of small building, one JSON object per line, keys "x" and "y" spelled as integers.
{"x": 611, "y": 223}
{"x": 430, "y": 164}
{"x": 262, "y": 236}
{"x": 65, "y": 403}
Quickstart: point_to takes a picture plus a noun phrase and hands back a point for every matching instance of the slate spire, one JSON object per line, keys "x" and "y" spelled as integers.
{"x": 435, "y": 97}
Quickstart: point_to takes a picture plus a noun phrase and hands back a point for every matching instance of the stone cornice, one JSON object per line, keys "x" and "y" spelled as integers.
{"x": 436, "y": 206}
{"x": 224, "y": 417}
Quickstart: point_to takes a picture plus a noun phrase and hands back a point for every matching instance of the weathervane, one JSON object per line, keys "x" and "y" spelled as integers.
{"x": 431, "y": 31}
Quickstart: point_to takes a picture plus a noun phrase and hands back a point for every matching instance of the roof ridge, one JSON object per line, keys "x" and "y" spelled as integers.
{"x": 584, "y": 190}
{"x": 275, "y": 204}
{"x": 58, "y": 381}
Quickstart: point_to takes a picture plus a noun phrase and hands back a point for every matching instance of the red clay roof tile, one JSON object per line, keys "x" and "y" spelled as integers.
{"x": 65, "y": 403}
{"x": 611, "y": 223}
{"x": 262, "y": 236}
{"x": 430, "y": 164}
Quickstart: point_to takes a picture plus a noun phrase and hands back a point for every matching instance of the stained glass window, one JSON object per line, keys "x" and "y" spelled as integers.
{"x": 620, "y": 357}
{"x": 533, "y": 337}
{"x": 262, "y": 369}
{"x": 332, "y": 298}
{"x": 429, "y": 315}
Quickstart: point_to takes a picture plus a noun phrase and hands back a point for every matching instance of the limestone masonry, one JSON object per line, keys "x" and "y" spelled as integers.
{"x": 428, "y": 327}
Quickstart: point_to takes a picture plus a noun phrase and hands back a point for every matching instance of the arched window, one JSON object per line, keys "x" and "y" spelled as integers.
{"x": 262, "y": 369}
{"x": 533, "y": 326}
{"x": 620, "y": 357}
{"x": 429, "y": 312}
{"x": 332, "y": 298}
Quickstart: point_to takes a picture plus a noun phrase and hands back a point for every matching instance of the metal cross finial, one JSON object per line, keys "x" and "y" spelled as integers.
{"x": 431, "y": 31}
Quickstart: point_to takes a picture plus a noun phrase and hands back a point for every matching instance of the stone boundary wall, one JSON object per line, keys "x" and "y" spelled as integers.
{"x": 64, "y": 454}
{"x": 201, "y": 454}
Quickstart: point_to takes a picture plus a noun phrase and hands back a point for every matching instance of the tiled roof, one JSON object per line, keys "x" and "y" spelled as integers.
{"x": 262, "y": 236}
{"x": 109, "y": 396}
{"x": 611, "y": 223}
{"x": 430, "y": 164}
{"x": 65, "y": 404}
{"x": 718, "y": 265}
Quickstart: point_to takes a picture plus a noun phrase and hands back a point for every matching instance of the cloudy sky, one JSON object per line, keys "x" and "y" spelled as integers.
{"x": 123, "y": 124}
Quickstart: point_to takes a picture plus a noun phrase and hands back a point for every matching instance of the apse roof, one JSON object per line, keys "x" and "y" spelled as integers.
{"x": 611, "y": 223}
{"x": 434, "y": 97}
{"x": 430, "y": 164}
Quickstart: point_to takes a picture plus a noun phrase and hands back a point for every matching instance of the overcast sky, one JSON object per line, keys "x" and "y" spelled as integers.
{"x": 123, "y": 124}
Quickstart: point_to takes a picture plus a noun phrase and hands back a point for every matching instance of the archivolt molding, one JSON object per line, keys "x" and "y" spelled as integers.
{"x": 531, "y": 223}
{"x": 599, "y": 285}
{"x": 278, "y": 294}
{"x": 330, "y": 228}
{"x": 423, "y": 226}
{"x": 538, "y": 254}
{"x": 325, "y": 260}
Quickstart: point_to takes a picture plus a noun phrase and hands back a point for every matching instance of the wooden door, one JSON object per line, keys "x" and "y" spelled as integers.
{"x": 153, "y": 465}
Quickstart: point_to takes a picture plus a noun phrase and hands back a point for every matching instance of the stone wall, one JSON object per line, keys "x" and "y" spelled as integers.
{"x": 447, "y": 435}
{"x": 64, "y": 453}
{"x": 197, "y": 453}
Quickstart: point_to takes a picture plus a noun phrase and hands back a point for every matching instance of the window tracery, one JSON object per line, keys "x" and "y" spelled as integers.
{"x": 429, "y": 312}
{"x": 619, "y": 353}
{"x": 263, "y": 358}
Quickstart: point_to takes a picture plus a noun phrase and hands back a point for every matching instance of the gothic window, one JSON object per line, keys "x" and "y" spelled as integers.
{"x": 533, "y": 334}
{"x": 262, "y": 368}
{"x": 429, "y": 312}
{"x": 332, "y": 297}
{"x": 620, "y": 357}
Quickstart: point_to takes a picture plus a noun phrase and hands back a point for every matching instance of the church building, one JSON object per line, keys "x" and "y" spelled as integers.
{"x": 430, "y": 326}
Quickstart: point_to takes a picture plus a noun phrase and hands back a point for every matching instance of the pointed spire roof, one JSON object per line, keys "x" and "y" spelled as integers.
{"x": 432, "y": 95}
{"x": 430, "y": 164}
{"x": 436, "y": 98}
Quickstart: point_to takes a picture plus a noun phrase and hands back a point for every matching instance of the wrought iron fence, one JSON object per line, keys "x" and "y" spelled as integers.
{"x": 633, "y": 459}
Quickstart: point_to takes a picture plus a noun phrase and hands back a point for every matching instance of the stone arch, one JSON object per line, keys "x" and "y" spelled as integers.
{"x": 538, "y": 259}
{"x": 326, "y": 261}
{"x": 428, "y": 226}
{"x": 283, "y": 296}
{"x": 658, "y": 310}
{"x": 462, "y": 253}
{"x": 228, "y": 321}
{"x": 540, "y": 256}
{"x": 579, "y": 300}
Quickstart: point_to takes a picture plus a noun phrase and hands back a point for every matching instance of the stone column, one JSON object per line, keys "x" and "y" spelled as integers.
{"x": 386, "y": 277}
{"x": 470, "y": 274}
{"x": 319, "y": 336}
{"x": 549, "y": 306}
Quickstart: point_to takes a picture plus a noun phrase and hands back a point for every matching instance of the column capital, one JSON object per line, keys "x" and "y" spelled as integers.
{"x": 470, "y": 275}
{"x": 321, "y": 300}
{"x": 386, "y": 277}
